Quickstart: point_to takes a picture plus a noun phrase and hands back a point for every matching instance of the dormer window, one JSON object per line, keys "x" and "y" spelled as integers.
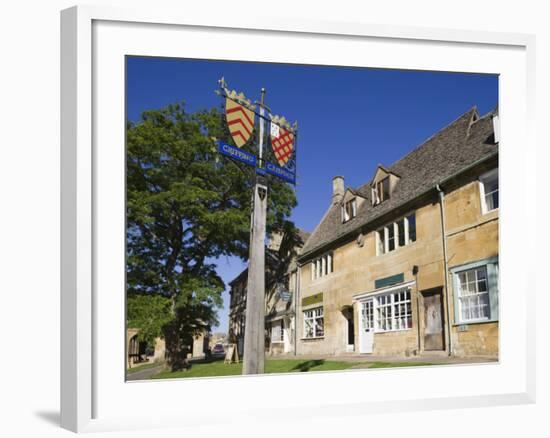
{"x": 383, "y": 184}
{"x": 383, "y": 189}
{"x": 349, "y": 210}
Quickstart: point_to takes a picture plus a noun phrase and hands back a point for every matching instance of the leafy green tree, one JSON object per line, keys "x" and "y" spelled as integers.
{"x": 150, "y": 313}
{"x": 186, "y": 206}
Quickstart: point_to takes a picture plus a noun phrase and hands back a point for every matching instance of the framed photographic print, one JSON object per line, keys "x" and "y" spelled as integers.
{"x": 306, "y": 217}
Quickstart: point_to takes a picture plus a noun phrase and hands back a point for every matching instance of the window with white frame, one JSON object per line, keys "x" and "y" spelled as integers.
{"x": 314, "y": 326}
{"x": 473, "y": 294}
{"x": 349, "y": 210}
{"x": 396, "y": 234}
{"x": 488, "y": 188}
{"x": 476, "y": 292}
{"x": 410, "y": 222}
{"x": 278, "y": 331}
{"x": 393, "y": 311}
{"x": 383, "y": 189}
{"x": 322, "y": 266}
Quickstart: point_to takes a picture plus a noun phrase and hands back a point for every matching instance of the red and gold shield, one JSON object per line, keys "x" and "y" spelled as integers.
{"x": 240, "y": 121}
{"x": 282, "y": 145}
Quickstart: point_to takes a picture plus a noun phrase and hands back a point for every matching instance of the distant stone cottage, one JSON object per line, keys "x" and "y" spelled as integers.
{"x": 281, "y": 286}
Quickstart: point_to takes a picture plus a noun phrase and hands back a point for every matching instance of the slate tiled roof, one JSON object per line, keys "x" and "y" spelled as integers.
{"x": 304, "y": 235}
{"x": 463, "y": 142}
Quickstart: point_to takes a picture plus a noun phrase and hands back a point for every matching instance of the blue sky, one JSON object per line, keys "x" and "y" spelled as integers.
{"x": 350, "y": 119}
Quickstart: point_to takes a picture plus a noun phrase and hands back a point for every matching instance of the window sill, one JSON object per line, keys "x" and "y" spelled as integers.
{"x": 396, "y": 249}
{"x": 474, "y": 321}
{"x": 380, "y": 202}
{"x": 322, "y": 277}
{"x": 277, "y": 342}
{"x": 376, "y": 332}
{"x": 316, "y": 338}
{"x": 486, "y": 212}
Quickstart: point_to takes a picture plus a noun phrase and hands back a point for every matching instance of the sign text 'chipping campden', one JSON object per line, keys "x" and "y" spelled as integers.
{"x": 237, "y": 154}
{"x": 280, "y": 172}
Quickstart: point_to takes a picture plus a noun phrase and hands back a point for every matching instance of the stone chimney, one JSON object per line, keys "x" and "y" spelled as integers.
{"x": 337, "y": 189}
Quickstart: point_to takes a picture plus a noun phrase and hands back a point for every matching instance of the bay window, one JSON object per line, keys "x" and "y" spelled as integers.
{"x": 393, "y": 311}
{"x": 314, "y": 323}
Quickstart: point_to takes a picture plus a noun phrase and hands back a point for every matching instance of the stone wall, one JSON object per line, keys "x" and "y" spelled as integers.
{"x": 355, "y": 270}
{"x": 471, "y": 236}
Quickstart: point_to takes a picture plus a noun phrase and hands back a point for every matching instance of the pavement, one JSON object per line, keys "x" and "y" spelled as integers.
{"x": 363, "y": 360}
{"x": 144, "y": 374}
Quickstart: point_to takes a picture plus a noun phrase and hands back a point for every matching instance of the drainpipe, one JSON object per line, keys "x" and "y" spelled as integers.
{"x": 415, "y": 273}
{"x": 296, "y": 297}
{"x": 444, "y": 236}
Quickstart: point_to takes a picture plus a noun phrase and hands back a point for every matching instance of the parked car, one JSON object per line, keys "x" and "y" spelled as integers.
{"x": 218, "y": 349}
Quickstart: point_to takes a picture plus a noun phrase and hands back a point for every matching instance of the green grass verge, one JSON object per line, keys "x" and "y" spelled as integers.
{"x": 218, "y": 368}
{"x": 141, "y": 367}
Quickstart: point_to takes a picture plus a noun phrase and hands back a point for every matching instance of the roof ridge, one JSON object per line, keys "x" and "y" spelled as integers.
{"x": 489, "y": 113}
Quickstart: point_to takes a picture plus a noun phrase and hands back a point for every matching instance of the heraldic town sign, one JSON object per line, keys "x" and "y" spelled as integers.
{"x": 241, "y": 115}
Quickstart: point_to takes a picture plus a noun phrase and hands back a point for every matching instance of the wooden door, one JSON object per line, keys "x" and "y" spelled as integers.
{"x": 434, "y": 338}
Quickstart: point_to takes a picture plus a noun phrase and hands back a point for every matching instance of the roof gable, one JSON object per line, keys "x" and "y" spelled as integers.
{"x": 351, "y": 194}
{"x": 381, "y": 173}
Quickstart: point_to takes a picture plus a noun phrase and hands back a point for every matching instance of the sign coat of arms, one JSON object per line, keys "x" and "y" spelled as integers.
{"x": 240, "y": 121}
{"x": 282, "y": 143}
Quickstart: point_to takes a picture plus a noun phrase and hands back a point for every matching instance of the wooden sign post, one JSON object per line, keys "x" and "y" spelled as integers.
{"x": 254, "y": 336}
{"x": 240, "y": 115}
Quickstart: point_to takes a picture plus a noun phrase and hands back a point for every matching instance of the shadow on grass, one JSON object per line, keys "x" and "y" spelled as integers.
{"x": 203, "y": 361}
{"x": 307, "y": 365}
{"x": 211, "y": 359}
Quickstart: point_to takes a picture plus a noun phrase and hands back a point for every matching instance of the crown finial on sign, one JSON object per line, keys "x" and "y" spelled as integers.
{"x": 240, "y": 98}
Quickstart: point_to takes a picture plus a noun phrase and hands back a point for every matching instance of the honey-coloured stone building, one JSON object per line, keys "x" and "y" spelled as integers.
{"x": 407, "y": 263}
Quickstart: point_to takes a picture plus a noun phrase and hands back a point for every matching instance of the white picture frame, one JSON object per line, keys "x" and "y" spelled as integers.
{"x": 93, "y": 397}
